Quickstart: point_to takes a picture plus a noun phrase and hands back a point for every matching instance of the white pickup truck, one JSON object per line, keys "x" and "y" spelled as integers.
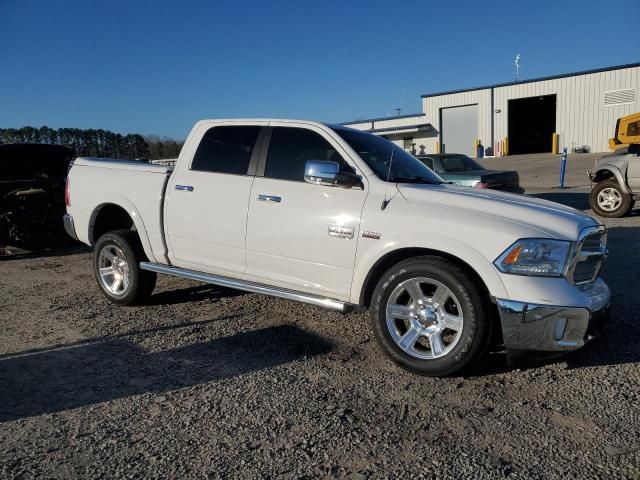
{"x": 345, "y": 220}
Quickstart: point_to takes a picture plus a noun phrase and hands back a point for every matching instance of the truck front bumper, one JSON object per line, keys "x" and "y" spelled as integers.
{"x": 554, "y": 328}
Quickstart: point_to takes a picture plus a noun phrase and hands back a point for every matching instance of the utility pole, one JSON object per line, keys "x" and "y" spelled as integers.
{"x": 399, "y": 109}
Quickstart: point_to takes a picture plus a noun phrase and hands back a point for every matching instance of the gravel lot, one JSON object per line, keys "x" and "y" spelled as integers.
{"x": 212, "y": 383}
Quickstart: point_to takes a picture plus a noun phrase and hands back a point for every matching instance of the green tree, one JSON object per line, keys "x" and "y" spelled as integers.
{"x": 90, "y": 142}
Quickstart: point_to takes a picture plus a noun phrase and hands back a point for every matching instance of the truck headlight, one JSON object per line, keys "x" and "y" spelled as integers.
{"x": 535, "y": 256}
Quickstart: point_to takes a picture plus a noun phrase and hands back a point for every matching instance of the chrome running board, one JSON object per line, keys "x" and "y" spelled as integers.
{"x": 246, "y": 286}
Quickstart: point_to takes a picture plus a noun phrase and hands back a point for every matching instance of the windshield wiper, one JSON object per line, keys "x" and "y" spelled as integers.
{"x": 428, "y": 181}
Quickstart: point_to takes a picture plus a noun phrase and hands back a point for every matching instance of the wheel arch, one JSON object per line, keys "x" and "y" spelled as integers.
{"x": 390, "y": 258}
{"x": 489, "y": 282}
{"x": 110, "y": 216}
{"x": 606, "y": 172}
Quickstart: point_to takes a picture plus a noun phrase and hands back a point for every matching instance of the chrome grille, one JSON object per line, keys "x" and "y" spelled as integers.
{"x": 586, "y": 270}
{"x": 589, "y": 257}
{"x": 593, "y": 242}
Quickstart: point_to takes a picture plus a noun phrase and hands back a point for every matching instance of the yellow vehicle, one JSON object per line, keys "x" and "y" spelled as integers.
{"x": 627, "y": 132}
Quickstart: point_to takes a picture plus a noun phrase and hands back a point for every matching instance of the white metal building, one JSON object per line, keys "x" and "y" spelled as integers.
{"x": 408, "y": 131}
{"x": 529, "y": 116}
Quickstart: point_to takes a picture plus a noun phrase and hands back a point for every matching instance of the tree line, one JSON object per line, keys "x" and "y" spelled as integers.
{"x": 96, "y": 143}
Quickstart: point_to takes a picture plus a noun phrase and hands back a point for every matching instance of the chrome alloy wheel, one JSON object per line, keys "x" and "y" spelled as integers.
{"x": 114, "y": 269}
{"x": 424, "y": 318}
{"x": 609, "y": 199}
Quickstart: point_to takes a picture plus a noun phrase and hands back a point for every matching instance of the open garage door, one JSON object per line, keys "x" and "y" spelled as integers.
{"x": 459, "y": 129}
{"x": 532, "y": 122}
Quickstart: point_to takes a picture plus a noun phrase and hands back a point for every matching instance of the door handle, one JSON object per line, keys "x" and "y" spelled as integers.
{"x": 269, "y": 198}
{"x": 184, "y": 188}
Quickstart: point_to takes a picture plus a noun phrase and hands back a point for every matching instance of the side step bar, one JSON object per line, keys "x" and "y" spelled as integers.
{"x": 246, "y": 286}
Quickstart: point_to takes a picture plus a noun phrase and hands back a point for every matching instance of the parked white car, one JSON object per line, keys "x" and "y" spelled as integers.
{"x": 345, "y": 220}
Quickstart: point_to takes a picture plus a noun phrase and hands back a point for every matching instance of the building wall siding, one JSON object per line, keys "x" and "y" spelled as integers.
{"x": 432, "y": 105}
{"x": 581, "y": 117}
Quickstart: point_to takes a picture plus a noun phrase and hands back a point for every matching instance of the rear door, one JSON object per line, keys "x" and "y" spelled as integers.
{"x": 300, "y": 235}
{"x": 206, "y": 199}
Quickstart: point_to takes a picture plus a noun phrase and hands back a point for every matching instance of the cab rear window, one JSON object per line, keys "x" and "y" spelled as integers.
{"x": 226, "y": 150}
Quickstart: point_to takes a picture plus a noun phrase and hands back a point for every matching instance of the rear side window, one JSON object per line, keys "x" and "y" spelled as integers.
{"x": 291, "y": 148}
{"x": 458, "y": 163}
{"x": 226, "y": 150}
{"x": 428, "y": 162}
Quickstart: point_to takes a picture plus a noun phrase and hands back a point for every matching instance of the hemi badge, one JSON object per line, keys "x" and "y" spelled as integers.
{"x": 374, "y": 235}
{"x": 341, "y": 231}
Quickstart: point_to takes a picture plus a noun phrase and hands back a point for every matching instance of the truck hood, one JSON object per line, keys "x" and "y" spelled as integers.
{"x": 549, "y": 218}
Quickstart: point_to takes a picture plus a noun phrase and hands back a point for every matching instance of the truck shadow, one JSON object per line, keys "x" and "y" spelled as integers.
{"x": 620, "y": 342}
{"x": 579, "y": 200}
{"x": 8, "y": 253}
{"x": 66, "y": 377}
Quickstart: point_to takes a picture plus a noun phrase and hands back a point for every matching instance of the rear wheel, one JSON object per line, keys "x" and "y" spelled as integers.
{"x": 430, "y": 317}
{"x": 116, "y": 264}
{"x": 609, "y": 199}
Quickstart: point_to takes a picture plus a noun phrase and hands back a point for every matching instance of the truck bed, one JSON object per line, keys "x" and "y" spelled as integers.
{"x": 121, "y": 164}
{"x": 136, "y": 186}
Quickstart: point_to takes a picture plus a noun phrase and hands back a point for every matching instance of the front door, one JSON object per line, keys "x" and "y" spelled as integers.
{"x": 206, "y": 201}
{"x": 633, "y": 170}
{"x": 300, "y": 235}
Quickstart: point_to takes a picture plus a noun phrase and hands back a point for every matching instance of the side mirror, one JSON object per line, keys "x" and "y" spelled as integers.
{"x": 323, "y": 172}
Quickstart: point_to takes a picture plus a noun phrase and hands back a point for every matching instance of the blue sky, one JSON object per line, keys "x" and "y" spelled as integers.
{"x": 158, "y": 66}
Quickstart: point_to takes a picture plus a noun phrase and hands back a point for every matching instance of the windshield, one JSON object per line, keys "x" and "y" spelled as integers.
{"x": 459, "y": 163}
{"x": 377, "y": 153}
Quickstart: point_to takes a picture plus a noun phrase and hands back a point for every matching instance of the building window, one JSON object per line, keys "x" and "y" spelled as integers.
{"x": 407, "y": 143}
{"x": 633, "y": 130}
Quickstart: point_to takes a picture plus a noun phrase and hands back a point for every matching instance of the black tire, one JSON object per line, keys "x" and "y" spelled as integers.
{"x": 623, "y": 206}
{"x": 474, "y": 335}
{"x": 139, "y": 284}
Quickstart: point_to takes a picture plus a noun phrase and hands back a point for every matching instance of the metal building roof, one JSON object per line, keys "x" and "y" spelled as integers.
{"x": 421, "y": 127}
{"x": 379, "y": 119}
{"x": 539, "y": 79}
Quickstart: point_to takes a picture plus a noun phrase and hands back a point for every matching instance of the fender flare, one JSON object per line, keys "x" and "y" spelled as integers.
{"x": 125, "y": 204}
{"x": 617, "y": 174}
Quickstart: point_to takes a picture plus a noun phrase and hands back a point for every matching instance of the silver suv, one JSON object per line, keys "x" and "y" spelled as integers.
{"x": 616, "y": 179}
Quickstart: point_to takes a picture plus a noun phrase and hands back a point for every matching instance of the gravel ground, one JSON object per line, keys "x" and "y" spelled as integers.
{"x": 212, "y": 383}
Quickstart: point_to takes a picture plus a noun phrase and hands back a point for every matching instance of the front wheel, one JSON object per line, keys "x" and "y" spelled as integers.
{"x": 116, "y": 264}
{"x": 430, "y": 316}
{"x": 609, "y": 199}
